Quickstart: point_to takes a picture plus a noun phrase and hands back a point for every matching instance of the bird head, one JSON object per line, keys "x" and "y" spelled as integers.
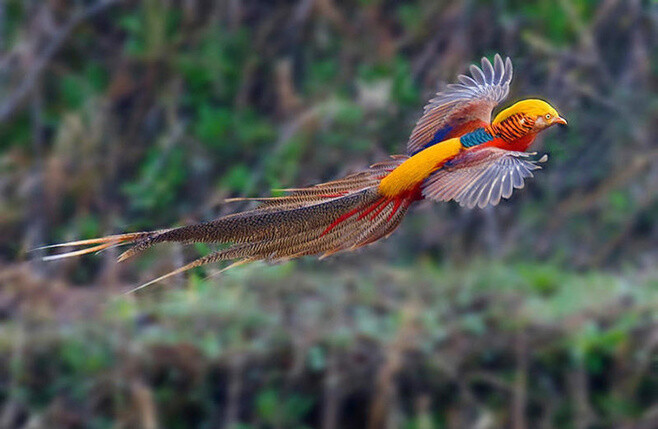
{"x": 540, "y": 111}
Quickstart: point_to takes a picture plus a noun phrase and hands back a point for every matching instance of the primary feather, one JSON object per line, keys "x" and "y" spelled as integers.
{"x": 463, "y": 106}
{"x": 481, "y": 177}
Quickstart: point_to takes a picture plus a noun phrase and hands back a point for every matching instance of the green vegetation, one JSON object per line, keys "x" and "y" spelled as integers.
{"x": 268, "y": 340}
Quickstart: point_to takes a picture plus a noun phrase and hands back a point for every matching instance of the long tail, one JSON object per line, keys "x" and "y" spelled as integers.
{"x": 323, "y": 219}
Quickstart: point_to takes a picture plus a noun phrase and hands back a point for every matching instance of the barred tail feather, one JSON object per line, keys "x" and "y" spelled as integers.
{"x": 344, "y": 214}
{"x": 353, "y": 232}
{"x": 256, "y": 225}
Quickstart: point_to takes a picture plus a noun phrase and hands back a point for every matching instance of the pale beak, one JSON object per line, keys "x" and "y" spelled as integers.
{"x": 560, "y": 120}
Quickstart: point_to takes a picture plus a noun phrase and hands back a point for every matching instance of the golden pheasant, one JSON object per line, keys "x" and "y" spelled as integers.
{"x": 455, "y": 152}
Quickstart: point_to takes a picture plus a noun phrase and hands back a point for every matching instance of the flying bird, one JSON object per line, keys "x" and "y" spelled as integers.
{"x": 455, "y": 152}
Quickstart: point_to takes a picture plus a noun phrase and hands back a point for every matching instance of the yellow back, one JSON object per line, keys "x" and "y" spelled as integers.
{"x": 417, "y": 168}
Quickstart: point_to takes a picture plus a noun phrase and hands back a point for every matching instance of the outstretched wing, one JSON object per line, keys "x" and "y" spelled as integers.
{"x": 480, "y": 177}
{"x": 463, "y": 106}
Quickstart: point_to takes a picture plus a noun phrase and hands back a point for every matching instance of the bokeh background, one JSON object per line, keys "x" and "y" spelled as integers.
{"x": 129, "y": 115}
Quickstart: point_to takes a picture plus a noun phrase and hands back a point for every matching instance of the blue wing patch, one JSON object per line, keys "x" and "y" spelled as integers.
{"x": 439, "y": 136}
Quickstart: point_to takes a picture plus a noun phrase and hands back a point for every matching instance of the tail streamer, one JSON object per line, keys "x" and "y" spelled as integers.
{"x": 324, "y": 219}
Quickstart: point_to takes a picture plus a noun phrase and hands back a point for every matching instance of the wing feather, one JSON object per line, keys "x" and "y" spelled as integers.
{"x": 481, "y": 177}
{"x": 463, "y": 106}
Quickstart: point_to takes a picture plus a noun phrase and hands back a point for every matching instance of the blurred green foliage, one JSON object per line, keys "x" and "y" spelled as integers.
{"x": 260, "y": 314}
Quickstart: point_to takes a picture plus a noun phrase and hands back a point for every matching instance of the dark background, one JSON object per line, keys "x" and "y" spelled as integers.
{"x": 130, "y": 115}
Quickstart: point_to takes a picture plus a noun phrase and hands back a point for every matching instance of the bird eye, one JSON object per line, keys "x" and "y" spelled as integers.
{"x": 548, "y": 116}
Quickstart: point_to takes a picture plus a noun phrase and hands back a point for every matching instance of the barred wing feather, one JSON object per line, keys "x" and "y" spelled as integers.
{"x": 463, "y": 106}
{"x": 481, "y": 177}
